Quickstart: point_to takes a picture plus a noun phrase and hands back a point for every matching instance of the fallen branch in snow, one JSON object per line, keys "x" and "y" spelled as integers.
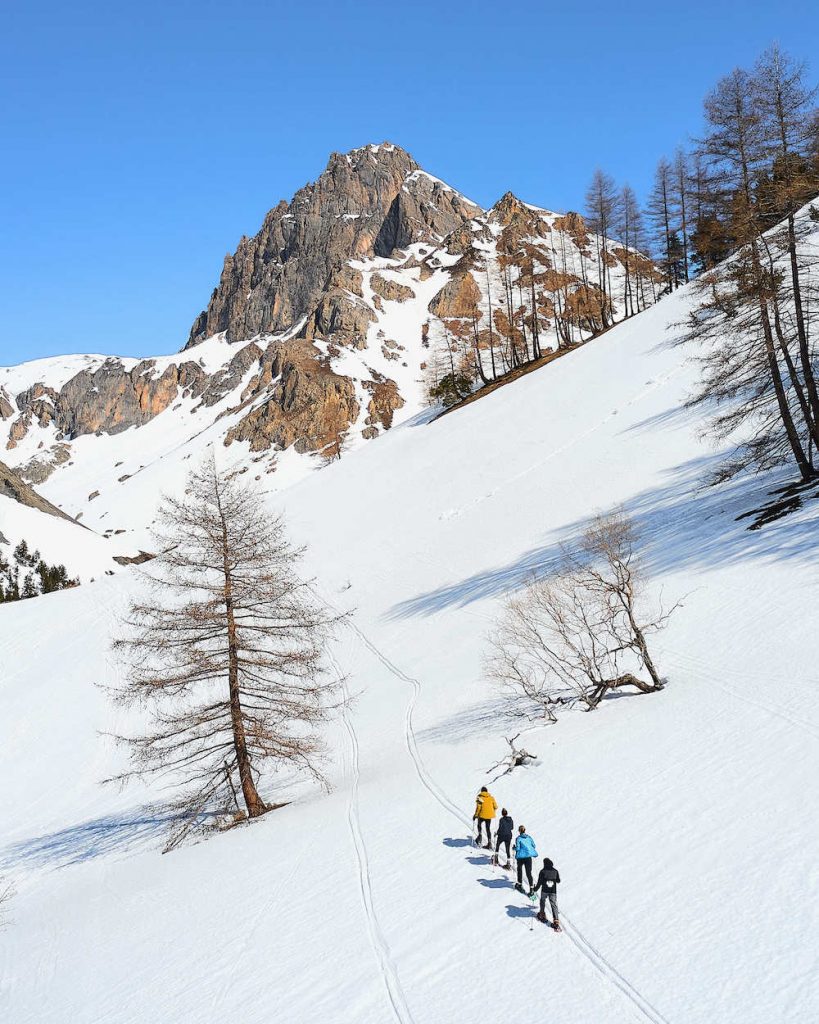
{"x": 515, "y": 759}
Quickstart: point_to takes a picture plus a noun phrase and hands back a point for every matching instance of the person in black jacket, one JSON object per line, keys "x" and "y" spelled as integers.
{"x": 547, "y": 882}
{"x": 504, "y": 835}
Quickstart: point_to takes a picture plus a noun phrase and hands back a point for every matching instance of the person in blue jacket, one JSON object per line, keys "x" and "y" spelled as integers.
{"x": 524, "y": 852}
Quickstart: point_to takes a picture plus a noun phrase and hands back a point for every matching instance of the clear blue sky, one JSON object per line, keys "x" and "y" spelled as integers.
{"x": 141, "y": 140}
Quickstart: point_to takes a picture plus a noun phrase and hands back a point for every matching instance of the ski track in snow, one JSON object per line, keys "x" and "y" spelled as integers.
{"x": 389, "y": 971}
{"x": 610, "y": 973}
{"x": 424, "y": 777}
{"x": 604, "y": 969}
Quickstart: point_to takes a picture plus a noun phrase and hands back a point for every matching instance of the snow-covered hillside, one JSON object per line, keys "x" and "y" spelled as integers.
{"x": 681, "y": 822}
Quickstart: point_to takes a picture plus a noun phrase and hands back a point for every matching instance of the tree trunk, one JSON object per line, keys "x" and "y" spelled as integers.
{"x": 627, "y": 679}
{"x": 255, "y": 805}
{"x": 805, "y": 469}
{"x": 801, "y": 329}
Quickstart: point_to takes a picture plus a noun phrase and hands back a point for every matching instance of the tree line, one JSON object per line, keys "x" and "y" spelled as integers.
{"x": 25, "y": 574}
{"x": 724, "y": 212}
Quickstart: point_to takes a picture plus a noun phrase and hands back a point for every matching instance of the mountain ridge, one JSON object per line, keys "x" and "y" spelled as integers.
{"x": 327, "y": 328}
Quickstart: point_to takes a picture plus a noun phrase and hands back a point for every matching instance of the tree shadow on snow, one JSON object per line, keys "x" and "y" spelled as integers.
{"x": 682, "y": 523}
{"x": 464, "y": 724}
{"x": 112, "y": 834}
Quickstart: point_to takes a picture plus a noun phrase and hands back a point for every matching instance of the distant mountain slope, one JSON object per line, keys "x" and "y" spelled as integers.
{"x": 13, "y": 486}
{"x": 321, "y": 334}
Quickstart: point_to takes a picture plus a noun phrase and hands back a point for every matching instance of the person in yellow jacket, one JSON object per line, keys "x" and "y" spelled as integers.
{"x": 486, "y": 807}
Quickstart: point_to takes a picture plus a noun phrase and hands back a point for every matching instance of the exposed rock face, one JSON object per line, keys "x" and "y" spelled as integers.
{"x": 13, "y": 486}
{"x": 382, "y": 405}
{"x": 109, "y": 399}
{"x": 392, "y": 291}
{"x": 458, "y": 298}
{"x": 367, "y": 202}
{"x": 309, "y": 406}
{"x": 6, "y": 408}
{"x": 341, "y": 318}
{"x": 39, "y": 469}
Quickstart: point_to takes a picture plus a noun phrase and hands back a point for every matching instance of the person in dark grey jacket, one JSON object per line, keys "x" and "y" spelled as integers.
{"x": 504, "y": 835}
{"x": 547, "y": 882}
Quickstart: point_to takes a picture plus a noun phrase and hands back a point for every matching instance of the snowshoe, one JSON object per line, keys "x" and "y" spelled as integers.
{"x": 556, "y": 926}
{"x": 519, "y": 887}
{"x": 487, "y": 846}
{"x": 541, "y": 917}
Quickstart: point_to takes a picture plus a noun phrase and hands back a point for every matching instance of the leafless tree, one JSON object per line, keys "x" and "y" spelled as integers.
{"x": 680, "y": 184}
{"x": 575, "y": 634}
{"x": 629, "y": 225}
{"x": 659, "y": 209}
{"x": 225, "y": 652}
{"x": 750, "y": 378}
{"x": 335, "y": 447}
{"x": 601, "y": 203}
{"x": 787, "y": 112}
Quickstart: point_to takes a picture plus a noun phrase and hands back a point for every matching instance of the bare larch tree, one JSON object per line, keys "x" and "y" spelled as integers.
{"x": 225, "y": 651}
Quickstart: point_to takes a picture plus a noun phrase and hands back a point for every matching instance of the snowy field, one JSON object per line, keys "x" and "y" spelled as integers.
{"x": 683, "y": 823}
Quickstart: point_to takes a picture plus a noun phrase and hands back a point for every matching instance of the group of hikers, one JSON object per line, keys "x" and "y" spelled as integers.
{"x": 486, "y": 808}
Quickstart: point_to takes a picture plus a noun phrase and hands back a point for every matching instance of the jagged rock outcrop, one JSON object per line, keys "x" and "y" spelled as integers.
{"x": 13, "y": 486}
{"x": 6, "y": 408}
{"x": 108, "y": 399}
{"x": 39, "y": 468}
{"x": 341, "y": 318}
{"x": 458, "y": 298}
{"x": 369, "y": 202}
{"x": 392, "y": 291}
{"x": 309, "y": 406}
{"x": 385, "y": 399}
{"x": 112, "y": 398}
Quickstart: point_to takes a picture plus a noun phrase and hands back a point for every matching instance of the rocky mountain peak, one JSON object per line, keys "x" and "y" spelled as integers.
{"x": 368, "y": 202}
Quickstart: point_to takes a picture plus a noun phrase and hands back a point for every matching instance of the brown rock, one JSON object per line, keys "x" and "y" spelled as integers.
{"x": 13, "y": 486}
{"x": 368, "y": 202}
{"x": 458, "y": 298}
{"x": 384, "y": 401}
{"x": 342, "y": 319}
{"x": 309, "y": 407}
{"x": 392, "y": 291}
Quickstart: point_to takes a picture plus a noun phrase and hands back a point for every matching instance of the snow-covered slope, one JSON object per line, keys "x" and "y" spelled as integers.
{"x": 681, "y": 822}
